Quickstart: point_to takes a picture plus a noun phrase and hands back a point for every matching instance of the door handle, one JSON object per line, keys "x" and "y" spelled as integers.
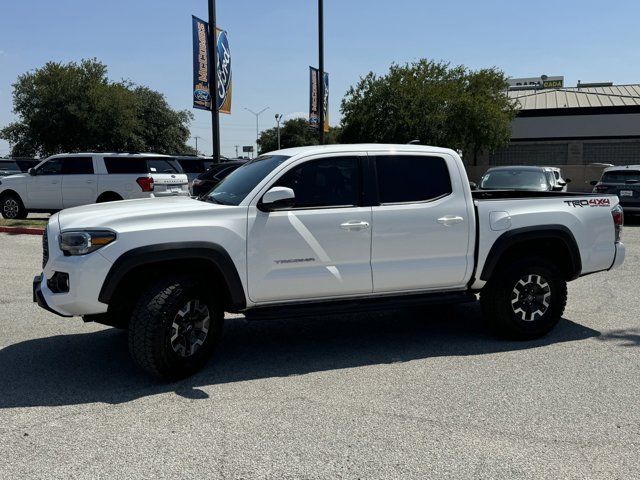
{"x": 89, "y": 181}
{"x": 449, "y": 220}
{"x": 54, "y": 182}
{"x": 354, "y": 225}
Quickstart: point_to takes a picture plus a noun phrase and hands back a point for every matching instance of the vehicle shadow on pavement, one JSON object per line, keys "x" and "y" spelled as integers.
{"x": 95, "y": 367}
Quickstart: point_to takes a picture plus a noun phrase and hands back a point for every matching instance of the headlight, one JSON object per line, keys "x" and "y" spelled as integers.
{"x": 81, "y": 243}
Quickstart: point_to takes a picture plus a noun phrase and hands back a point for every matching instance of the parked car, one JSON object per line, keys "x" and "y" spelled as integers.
{"x": 623, "y": 182}
{"x": 69, "y": 180}
{"x": 194, "y": 165}
{"x": 204, "y": 182}
{"x": 559, "y": 183}
{"x": 12, "y": 166}
{"x": 518, "y": 178}
{"x": 312, "y": 230}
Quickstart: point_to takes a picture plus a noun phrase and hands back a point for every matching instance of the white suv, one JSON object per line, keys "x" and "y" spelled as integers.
{"x": 69, "y": 180}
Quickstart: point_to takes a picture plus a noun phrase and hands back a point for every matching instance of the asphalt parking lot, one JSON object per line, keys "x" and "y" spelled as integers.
{"x": 411, "y": 394}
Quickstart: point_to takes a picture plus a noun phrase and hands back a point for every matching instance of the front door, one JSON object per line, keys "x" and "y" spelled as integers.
{"x": 44, "y": 190}
{"x": 422, "y": 227}
{"x": 79, "y": 184}
{"x": 321, "y": 246}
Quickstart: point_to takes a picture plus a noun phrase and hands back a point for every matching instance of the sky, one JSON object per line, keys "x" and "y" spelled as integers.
{"x": 273, "y": 43}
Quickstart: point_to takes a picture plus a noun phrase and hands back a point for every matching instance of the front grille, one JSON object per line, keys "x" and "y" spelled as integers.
{"x": 45, "y": 247}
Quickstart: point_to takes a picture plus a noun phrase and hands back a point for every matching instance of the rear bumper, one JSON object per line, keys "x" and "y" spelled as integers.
{"x": 620, "y": 254}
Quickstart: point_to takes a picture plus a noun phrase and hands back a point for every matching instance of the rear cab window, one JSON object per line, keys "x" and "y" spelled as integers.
{"x": 411, "y": 178}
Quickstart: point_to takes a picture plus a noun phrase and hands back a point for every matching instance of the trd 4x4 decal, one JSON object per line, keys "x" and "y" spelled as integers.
{"x": 592, "y": 202}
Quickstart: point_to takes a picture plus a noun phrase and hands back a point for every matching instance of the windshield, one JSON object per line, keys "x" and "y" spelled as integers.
{"x": 514, "y": 180}
{"x": 234, "y": 188}
{"x": 621, "y": 176}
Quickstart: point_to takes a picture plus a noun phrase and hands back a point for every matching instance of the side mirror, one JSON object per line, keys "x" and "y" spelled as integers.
{"x": 473, "y": 185}
{"x": 593, "y": 183}
{"x": 277, "y": 198}
{"x": 32, "y": 172}
{"x": 567, "y": 180}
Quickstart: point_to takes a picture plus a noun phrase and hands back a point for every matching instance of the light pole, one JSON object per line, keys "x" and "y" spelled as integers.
{"x": 278, "y": 119}
{"x": 257, "y": 114}
{"x": 196, "y": 139}
{"x": 321, "y": 70}
{"x": 213, "y": 80}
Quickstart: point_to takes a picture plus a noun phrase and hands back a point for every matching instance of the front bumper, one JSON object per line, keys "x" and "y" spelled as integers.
{"x": 38, "y": 297}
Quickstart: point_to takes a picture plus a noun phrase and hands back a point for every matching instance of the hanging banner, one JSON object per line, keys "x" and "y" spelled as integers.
{"x": 224, "y": 73}
{"x": 202, "y": 72}
{"x": 314, "y": 92}
{"x": 201, "y": 91}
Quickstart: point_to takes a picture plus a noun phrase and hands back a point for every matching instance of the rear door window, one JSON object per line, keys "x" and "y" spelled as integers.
{"x": 411, "y": 178}
{"x": 77, "y": 166}
{"x": 139, "y": 165}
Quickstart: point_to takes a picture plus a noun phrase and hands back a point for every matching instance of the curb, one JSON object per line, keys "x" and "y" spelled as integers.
{"x": 22, "y": 230}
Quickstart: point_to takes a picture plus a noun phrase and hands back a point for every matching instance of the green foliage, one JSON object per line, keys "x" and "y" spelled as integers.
{"x": 293, "y": 133}
{"x": 432, "y": 102}
{"x": 74, "y": 107}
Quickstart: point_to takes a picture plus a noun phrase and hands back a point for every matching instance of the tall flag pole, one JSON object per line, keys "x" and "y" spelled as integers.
{"x": 213, "y": 69}
{"x": 321, "y": 72}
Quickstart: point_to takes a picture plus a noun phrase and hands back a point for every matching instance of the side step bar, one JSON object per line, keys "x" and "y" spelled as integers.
{"x": 356, "y": 305}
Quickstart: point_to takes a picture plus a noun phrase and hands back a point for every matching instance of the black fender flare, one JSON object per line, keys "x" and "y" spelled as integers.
{"x": 540, "y": 232}
{"x": 176, "y": 251}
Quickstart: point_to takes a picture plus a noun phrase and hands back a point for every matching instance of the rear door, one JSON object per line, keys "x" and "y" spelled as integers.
{"x": 79, "y": 184}
{"x": 168, "y": 178}
{"x": 44, "y": 190}
{"x": 422, "y": 227}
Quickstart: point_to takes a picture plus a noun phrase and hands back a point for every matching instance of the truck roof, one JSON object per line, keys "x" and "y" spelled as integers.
{"x": 359, "y": 147}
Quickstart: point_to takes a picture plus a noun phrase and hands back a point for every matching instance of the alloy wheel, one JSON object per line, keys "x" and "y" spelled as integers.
{"x": 190, "y": 328}
{"x": 10, "y": 208}
{"x": 530, "y": 297}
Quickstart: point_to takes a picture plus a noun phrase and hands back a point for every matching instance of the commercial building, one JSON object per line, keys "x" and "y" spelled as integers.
{"x": 576, "y": 128}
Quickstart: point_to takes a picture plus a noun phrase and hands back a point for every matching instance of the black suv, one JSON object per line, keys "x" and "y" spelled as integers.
{"x": 624, "y": 182}
{"x": 204, "y": 182}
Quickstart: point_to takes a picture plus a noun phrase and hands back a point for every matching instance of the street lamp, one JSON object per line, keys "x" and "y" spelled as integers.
{"x": 257, "y": 114}
{"x": 278, "y": 119}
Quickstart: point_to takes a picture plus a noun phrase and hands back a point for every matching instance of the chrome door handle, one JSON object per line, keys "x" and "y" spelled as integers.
{"x": 449, "y": 220}
{"x": 354, "y": 225}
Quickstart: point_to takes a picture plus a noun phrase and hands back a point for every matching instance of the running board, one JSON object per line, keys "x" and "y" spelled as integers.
{"x": 355, "y": 305}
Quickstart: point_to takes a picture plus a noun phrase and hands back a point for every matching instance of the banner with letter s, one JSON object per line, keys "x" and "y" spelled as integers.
{"x": 314, "y": 93}
{"x": 202, "y": 95}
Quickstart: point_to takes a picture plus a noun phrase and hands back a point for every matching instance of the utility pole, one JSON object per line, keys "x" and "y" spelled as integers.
{"x": 278, "y": 119}
{"x": 196, "y": 139}
{"x": 213, "y": 81}
{"x": 237, "y": 150}
{"x": 257, "y": 114}
{"x": 321, "y": 69}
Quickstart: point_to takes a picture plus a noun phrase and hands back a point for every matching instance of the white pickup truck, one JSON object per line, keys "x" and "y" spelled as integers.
{"x": 322, "y": 229}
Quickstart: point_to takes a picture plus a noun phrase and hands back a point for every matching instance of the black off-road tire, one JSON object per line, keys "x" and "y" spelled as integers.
{"x": 12, "y": 208}
{"x": 150, "y": 327}
{"x": 498, "y": 294}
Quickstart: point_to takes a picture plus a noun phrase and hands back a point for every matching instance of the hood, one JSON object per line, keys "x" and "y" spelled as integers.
{"x": 133, "y": 214}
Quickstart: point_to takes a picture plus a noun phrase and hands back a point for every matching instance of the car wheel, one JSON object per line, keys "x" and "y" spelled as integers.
{"x": 108, "y": 197}
{"x": 524, "y": 300}
{"x": 13, "y": 208}
{"x": 174, "y": 328}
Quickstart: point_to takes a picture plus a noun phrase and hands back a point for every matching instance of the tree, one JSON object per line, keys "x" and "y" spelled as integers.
{"x": 293, "y": 133}
{"x": 432, "y": 102}
{"x": 74, "y": 107}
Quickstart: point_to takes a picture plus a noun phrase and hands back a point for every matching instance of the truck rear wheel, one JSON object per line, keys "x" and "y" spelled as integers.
{"x": 174, "y": 328}
{"x": 525, "y": 299}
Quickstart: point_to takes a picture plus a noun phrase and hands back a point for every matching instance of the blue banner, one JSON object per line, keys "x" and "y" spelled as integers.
{"x": 201, "y": 76}
{"x": 314, "y": 93}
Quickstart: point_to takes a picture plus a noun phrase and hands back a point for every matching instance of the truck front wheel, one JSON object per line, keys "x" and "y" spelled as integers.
{"x": 525, "y": 299}
{"x": 174, "y": 328}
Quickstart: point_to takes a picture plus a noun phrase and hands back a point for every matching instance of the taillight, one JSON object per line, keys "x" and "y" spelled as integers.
{"x": 146, "y": 183}
{"x": 618, "y": 220}
{"x": 600, "y": 189}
